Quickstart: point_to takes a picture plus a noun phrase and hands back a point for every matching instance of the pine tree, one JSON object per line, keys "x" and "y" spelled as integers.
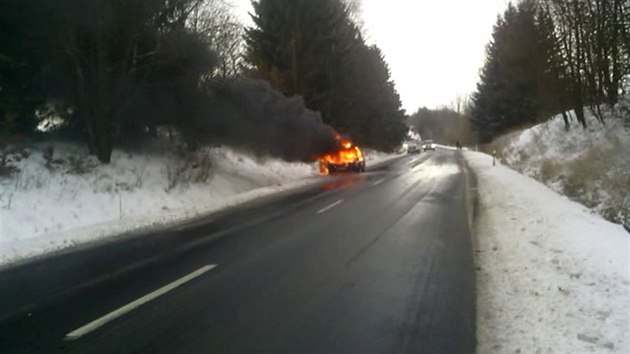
{"x": 313, "y": 49}
{"x": 371, "y": 101}
{"x": 297, "y": 44}
{"x": 516, "y": 77}
{"x": 23, "y": 60}
{"x": 112, "y": 67}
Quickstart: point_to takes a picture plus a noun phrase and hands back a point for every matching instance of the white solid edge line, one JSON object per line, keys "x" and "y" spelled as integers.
{"x": 330, "y": 206}
{"x": 81, "y": 331}
{"x": 378, "y": 182}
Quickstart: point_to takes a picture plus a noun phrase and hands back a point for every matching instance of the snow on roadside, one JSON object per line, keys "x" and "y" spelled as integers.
{"x": 374, "y": 157}
{"x": 551, "y": 275}
{"x": 77, "y": 200}
{"x": 589, "y": 165}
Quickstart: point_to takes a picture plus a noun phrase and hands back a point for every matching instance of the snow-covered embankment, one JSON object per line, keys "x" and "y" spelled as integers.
{"x": 588, "y": 165}
{"x": 58, "y": 196}
{"x": 551, "y": 275}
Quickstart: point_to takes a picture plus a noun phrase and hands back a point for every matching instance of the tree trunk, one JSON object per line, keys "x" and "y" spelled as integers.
{"x": 104, "y": 145}
{"x": 566, "y": 120}
{"x": 578, "y": 98}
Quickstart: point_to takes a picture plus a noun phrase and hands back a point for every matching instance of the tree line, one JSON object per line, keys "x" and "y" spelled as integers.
{"x": 552, "y": 56}
{"x": 111, "y": 70}
{"x": 445, "y": 125}
{"x": 114, "y": 71}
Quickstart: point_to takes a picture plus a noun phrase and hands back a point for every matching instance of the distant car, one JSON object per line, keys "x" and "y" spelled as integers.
{"x": 413, "y": 149}
{"x": 428, "y": 145}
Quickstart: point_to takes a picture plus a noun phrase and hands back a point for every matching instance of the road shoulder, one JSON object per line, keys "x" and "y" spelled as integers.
{"x": 551, "y": 276}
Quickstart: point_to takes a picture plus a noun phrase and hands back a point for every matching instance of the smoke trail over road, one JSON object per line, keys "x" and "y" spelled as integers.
{"x": 249, "y": 114}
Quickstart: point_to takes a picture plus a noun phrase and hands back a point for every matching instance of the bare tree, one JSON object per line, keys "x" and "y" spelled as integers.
{"x": 460, "y": 103}
{"x": 216, "y": 22}
{"x": 594, "y": 47}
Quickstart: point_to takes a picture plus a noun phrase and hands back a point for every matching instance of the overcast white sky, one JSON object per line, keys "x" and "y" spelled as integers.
{"x": 434, "y": 48}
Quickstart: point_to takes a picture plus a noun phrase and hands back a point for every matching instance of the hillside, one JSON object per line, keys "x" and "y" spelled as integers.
{"x": 55, "y": 195}
{"x": 551, "y": 277}
{"x": 588, "y": 165}
{"x": 59, "y": 196}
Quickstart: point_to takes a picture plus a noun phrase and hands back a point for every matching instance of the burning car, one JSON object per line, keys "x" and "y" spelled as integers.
{"x": 348, "y": 158}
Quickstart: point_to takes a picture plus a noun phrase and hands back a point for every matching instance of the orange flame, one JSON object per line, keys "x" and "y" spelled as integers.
{"x": 348, "y": 154}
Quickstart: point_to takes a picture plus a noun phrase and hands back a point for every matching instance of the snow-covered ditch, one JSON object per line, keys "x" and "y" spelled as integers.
{"x": 589, "y": 165}
{"x": 552, "y": 277}
{"x": 59, "y": 196}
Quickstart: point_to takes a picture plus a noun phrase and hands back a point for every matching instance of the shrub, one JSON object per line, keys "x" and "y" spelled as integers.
{"x": 6, "y": 168}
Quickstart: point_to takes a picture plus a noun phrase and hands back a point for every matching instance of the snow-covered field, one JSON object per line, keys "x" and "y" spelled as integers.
{"x": 66, "y": 198}
{"x": 589, "y": 165}
{"x": 552, "y": 277}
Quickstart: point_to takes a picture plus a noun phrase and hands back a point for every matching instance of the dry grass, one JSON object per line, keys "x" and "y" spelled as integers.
{"x": 598, "y": 177}
{"x": 550, "y": 171}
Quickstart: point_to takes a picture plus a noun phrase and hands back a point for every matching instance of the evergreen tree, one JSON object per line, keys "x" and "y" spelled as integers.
{"x": 23, "y": 59}
{"x": 369, "y": 102}
{"x": 112, "y": 66}
{"x": 297, "y": 45}
{"x": 313, "y": 49}
{"x": 517, "y": 77}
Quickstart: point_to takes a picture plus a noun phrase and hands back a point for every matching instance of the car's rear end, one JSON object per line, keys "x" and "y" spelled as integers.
{"x": 348, "y": 159}
{"x": 354, "y": 166}
{"x": 428, "y": 145}
{"x": 413, "y": 149}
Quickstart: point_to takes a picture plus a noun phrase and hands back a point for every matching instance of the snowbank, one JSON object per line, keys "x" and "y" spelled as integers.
{"x": 375, "y": 158}
{"x": 589, "y": 165}
{"x": 552, "y": 277}
{"x": 68, "y": 198}
{"x": 62, "y": 197}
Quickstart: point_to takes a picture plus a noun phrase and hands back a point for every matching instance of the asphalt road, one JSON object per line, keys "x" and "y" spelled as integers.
{"x": 379, "y": 262}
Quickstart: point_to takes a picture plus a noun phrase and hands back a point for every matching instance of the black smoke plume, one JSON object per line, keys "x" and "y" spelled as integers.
{"x": 249, "y": 114}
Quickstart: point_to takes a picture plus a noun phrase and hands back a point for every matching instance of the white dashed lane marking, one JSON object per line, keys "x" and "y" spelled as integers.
{"x": 81, "y": 331}
{"x": 378, "y": 182}
{"x": 330, "y": 206}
